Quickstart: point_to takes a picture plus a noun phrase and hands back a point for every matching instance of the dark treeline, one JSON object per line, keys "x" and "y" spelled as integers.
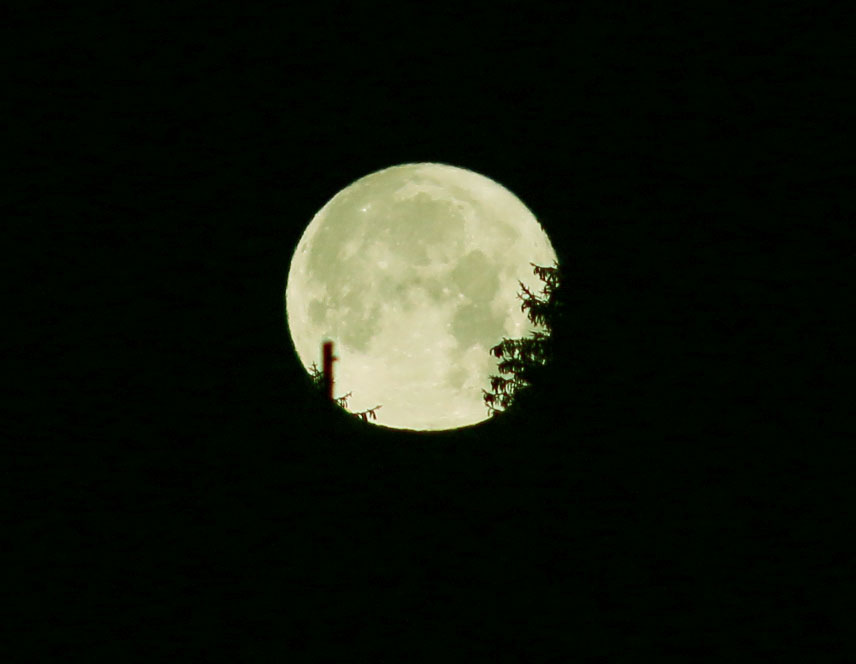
{"x": 668, "y": 485}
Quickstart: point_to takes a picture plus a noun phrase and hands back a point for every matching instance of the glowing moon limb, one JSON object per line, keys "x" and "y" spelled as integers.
{"x": 413, "y": 271}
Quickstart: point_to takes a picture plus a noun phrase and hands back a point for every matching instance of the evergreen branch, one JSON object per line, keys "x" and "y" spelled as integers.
{"x": 522, "y": 360}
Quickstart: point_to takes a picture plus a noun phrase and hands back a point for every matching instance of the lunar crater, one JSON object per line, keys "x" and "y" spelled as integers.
{"x": 412, "y": 271}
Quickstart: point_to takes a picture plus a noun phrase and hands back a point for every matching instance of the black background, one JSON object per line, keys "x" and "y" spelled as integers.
{"x": 675, "y": 491}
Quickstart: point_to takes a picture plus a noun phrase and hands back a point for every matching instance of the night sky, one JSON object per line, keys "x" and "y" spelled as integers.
{"x": 190, "y": 493}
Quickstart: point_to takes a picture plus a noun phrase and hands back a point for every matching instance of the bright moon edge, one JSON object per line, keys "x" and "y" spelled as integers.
{"x": 413, "y": 272}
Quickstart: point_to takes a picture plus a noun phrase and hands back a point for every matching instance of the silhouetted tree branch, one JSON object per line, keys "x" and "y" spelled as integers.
{"x": 522, "y": 359}
{"x": 316, "y": 375}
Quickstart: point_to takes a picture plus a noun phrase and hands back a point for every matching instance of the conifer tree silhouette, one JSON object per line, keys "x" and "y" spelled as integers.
{"x": 523, "y": 360}
{"x": 316, "y": 375}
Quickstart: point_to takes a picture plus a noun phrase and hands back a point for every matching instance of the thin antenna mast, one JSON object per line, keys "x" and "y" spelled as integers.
{"x": 329, "y": 358}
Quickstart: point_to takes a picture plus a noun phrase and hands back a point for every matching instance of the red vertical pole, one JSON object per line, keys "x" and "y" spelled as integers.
{"x": 329, "y": 358}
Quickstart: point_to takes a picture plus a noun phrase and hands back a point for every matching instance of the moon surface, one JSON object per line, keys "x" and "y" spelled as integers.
{"x": 412, "y": 272}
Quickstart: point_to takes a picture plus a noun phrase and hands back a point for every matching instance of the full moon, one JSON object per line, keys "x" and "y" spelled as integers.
{"x": 412, "y": 272}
